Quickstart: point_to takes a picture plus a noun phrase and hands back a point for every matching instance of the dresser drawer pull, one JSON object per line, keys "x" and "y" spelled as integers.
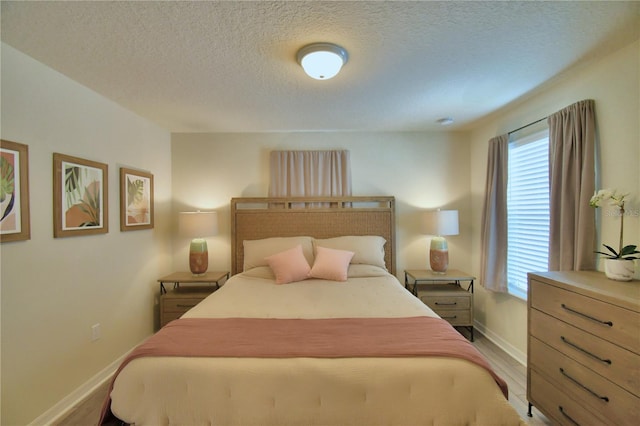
{"x": 573, "y": 311}
{"x": 604, "y": 398}
{"x": 185, "y": 306}
{"x": 446, "y": 304}
{"x": 573, "y": 345}
{"x": 449, "y": 317}
{"x": 567, "y": 416}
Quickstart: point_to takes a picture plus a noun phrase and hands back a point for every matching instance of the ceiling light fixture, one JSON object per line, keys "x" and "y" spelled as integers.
{"x": 322, "y": 61}
{"x": 445, "y": 121}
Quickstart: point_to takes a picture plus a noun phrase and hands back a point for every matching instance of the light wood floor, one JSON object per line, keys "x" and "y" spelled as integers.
{"x": 87, "y": 412}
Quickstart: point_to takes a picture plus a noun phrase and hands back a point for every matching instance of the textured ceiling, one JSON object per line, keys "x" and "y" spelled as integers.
{"x": 230, "y": 66}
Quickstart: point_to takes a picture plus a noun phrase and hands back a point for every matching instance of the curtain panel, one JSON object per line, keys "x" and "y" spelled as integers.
{"x": 493, "y": 272}
{"x": 572, "y": 232}
{"x": 310, "y": 173}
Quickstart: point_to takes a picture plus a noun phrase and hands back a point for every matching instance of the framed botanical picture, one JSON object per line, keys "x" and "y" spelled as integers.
{"x": 136, "y": 200}
{"x": 15, "y": 222}
{"x": 80, "y": 202}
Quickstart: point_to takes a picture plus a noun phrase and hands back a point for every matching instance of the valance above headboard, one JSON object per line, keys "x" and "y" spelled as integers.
{"x": 318, "y": 217}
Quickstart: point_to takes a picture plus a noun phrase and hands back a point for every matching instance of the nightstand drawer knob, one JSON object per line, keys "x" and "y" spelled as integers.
{"x": 446, "y": 304}
{"x": 450, "y": 317}
{"x": 185, "y": 306}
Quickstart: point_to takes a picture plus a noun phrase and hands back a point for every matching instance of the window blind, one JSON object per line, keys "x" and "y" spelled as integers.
{"x": 527, "y": 210}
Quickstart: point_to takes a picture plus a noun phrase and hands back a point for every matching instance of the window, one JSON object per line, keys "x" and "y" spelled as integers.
{"x": 527, "y": 209}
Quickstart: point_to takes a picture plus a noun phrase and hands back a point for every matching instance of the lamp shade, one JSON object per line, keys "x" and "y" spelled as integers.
{"x": 441, "y": 222}
{"x": 198, "y": 224}
{"x": 322, "y": 61}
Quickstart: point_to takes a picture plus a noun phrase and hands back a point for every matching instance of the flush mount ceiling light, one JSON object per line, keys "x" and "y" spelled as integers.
{"x": 322, "y": 61}
{"x": 446, "y": 121}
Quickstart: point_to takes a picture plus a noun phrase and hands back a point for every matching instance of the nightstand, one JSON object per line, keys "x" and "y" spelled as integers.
{"x": 444, "y": 294}
{"x": 188, "y": 290}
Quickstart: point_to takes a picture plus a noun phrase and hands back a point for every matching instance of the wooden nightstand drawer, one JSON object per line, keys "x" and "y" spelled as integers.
{"x": 174, "y": 303}
{"x": 445, "y": 294}
{"x": 461, "y": 317}
{"x": 441, "y": 303}
{"x": 451, "y": 302}
{"x": 188, "y": 290}
{"x": 170, "y": 304}
{"x": 167, "y": 317}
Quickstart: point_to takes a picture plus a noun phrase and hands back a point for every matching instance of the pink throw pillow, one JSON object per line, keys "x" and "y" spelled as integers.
{"x": 331, "y": 264}
{"x": 289, "y": 265}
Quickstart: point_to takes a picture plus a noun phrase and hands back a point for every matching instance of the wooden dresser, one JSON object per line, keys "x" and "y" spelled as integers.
{"x": 583, "y": 348}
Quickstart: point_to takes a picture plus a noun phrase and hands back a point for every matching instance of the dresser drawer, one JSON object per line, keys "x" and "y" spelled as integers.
{"x": 611, "y": 361}
{"x": 584, "y": 385}
{"x": 558, "y": 406}
{"x": 613, "y": 323}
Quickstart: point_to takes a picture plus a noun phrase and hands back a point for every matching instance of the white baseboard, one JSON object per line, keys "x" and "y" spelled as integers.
{"x": 514, "y": 352}
{"x": 63, "y": 406}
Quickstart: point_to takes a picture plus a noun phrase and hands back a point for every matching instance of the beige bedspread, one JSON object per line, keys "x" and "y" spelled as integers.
{"x": 309, "y": 390}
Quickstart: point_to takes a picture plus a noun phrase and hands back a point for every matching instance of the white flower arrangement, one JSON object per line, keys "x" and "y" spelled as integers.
{"x": 617, "y": 199}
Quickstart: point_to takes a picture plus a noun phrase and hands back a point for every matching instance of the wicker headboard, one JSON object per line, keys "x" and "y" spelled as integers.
{"x": 318, "y": 217}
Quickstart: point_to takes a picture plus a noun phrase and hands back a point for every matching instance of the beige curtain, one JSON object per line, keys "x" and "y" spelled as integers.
{"x": 493, "y": 272}
{"x": 572, "y": 233}
{"x": 310, "y": 173}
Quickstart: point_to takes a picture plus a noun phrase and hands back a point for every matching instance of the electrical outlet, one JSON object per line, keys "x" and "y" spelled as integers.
{"x": 95, "y": 332}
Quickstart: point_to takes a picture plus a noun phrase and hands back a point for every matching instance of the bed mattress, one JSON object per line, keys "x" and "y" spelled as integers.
{"x": 309, "y": 390}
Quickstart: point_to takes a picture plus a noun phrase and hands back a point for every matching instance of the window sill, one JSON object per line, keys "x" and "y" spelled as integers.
{"x": 518, "y": 293}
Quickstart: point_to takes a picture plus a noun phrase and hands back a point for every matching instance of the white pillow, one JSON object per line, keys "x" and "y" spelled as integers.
{"x": 255, "y": 251}
{"x": 365, "y": 271}
{"x": 264, "y": 272}
{"x": 368, "y": 249}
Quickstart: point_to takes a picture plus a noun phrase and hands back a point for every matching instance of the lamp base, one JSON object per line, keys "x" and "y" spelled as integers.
{"x": 198, "y": 256}
{"x": 439, "y": 255}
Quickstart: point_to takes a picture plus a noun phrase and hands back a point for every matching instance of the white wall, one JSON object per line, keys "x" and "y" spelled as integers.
{"x": 613, "y": 82}
{"x": 54, "y": 290}
{"x": 422, "y": 170}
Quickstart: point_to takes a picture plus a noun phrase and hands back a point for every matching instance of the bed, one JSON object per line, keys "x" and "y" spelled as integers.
{"x": 347, "y": 346}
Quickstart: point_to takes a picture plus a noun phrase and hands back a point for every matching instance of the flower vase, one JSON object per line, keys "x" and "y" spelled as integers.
{"x": 619, "y": 269}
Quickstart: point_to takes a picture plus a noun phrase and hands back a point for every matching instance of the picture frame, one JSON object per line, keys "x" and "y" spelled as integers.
{"x": 15, "y": 219}
{"x": 80, "y": 197}
{"x": 136, "y": 200}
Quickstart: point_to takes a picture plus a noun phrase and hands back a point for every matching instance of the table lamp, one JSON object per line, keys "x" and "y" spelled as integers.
{"x": 440, "y": 223}
{"x": 198, "y": 225}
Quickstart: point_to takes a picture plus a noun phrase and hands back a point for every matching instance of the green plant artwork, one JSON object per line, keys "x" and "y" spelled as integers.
{"x": 82, "y": 196}
{"x": 135, "y": 191}
{"x": 7, "y": 187}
